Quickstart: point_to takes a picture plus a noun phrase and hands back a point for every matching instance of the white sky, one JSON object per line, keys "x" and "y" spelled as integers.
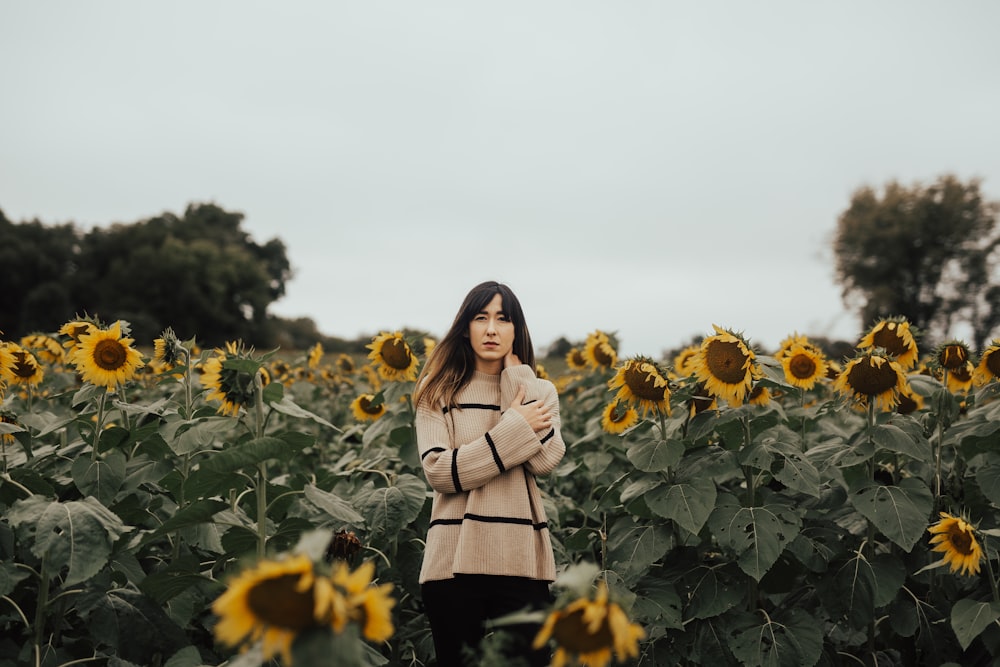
{"x": 645, "y": 168}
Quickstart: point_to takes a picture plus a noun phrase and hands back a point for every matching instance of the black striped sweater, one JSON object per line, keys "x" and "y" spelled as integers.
{"x": 481, "y": 460}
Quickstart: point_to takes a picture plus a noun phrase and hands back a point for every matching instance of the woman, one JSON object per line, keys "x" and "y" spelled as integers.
{"x": 486, "y": 426}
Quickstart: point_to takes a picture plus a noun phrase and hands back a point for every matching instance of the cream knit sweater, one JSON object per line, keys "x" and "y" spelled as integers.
{"x": 481, "y": 460}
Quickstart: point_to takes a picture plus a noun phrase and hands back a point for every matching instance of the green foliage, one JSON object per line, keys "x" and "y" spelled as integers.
{"x": 926, "y": 252}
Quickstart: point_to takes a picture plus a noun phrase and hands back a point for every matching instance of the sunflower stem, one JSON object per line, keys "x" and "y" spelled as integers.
{"x": 261, "y": 470}
{"x": 42, "y": 605}
{"x": 989, "y": 570}
{"x": 747, "y": 472}
{"x": 99, "y": 425}
{"x": 663, "y": 436}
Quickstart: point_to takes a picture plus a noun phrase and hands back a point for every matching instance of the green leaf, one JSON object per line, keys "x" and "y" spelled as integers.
{"x": 970, "y": 617}
{"x": 79, "y": 535}
{"x": 689, "y": 502}
{"x": 198, "y": 436}
{"x": 890, "y": 574}
{"x": 714, "y": 591}
{"x": 655, "y": 454}
{"x": 988, "y": 478}
{"x": 287, "y": 406}
{"x": 757, "y": 535}
{"x": 849, "y": 592}
{"x": 389, "y": 509}
{"x": 633, "y": 548}
{"x": 336, "y": 507}
{"x": 895, "y": 439}
{"x": 10, "y": 575}
{"x": 102, "y": 478}
{"x": 794, "y": 639}
{"x": 248, "y": 454}
{"x": 657, "y": 603}
{"x": 899, "y": 512}
{"x": 167, "y": 584}
{"x": 799, "y": 474}
{"x": 198, "y": 512}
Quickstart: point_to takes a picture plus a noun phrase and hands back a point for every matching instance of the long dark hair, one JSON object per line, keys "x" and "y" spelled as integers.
{"x": 450, "y": 365}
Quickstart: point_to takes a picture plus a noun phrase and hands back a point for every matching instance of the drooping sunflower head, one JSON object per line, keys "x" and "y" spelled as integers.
{"x": 872, "y": 378}
{"x": 575, "y": 359}
{"x": 366, "y": 408}
{"x": 895, "y": 336}
{"x": 640, "y": 382}
{"x": 231, "y": 377}
{"x": 8, "y": 417}
{"x": 6, "y": 366}
{"x": 804, "y": 365}
{"x": 345, "y": 364}
{"x": 684, "y": 361}
{"x": 344, "y": 545}
{"x": 618, "y": 416}
{"x": 105, "y": 357}
{"x": 168, "y": 350}
{"x": 393, "y": 358}
{"x": 989, "y": 363}
{"x": 44, "y": 347}
{"x": 315, "y": 355}
{"x": 701, "y": 400}
{"x": 599, "y": 351}
{"x": 275, "y": 601}
{"x": 727, "y": 366}
{"x": 909, "y": 400}
{"x": 25, "y": 369}
{"x": 588, "y": 630}
{"x": 951, "y": 355}
{"x": 955, "y": 537}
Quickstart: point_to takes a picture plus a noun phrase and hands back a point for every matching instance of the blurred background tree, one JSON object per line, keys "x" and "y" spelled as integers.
{"x": 926, "y": 252}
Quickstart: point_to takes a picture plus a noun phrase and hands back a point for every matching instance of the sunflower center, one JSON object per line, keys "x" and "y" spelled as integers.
{"x": 366, "y": 406}
{"x": 109, "y": 354}
{"x": 276, "y": 602}
{"x": 643, "y": 384}
{"x": 23, "y": 367}
{"x": 962, "y": 373}
{"x": 726, "y": 361}
{"x": 953, "y": 356}
{"x": 993, "y": 362}
{"x": 906, "y": 405}
{"x": 890, "y": 341}
{"x": 603, "y": 356}
{"x": 802, "y": 366}
{"x": 396, "y": 354}
{"x": 571, "y": 633}
{"x": 960, "y": 540}
{"x": 578, "y": 357}
{"x": 871, "y": 379}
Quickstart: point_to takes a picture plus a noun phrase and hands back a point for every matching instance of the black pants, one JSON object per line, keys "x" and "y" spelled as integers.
{"x": 458, "y": 608}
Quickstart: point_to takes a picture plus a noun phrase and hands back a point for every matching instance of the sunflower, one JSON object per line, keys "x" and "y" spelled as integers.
{"x": 365, "y": 408}
{"x": 701, "y": 400}
{"x": 598, "y": 351}
{"x": 274, "y": 602}
{"x": 727, "y": 366}
{"x": 640, "y": 383}
{"x": 7, "y": 417}
{"x": 541, "y": 372}
{"x": 106, "y": 358}
{"x": 989, "y": 363}
{"x": 618, "y": 417}
{"x": 951, "y": 355}
{"x": 344, "y": 545}
{"x": 167, "y": 350}
{"x": 575, "y": 359}
{"x": 785, "y": 345}
{"x": 683, "y": 360}
{"x": 872, "y": 377}
{"x": 393, "y": 357}
{"x": 368, "y": 605}
{"x": 44, "y": 347}
{"x": 315, "y": 355}
{"x": 25, "y": 369}
{"x": 229, "y": 377}
{"x": 759, "y": 395}
{"x": 74, "y": 330}
{"x": 586, "y": 631}
{"x": 345, "y": 363}
{"x": 895, "y": 337}
{"x": 6, "y": 366}
{"x": 960, "y": 379}
{"x": 429, "y": 344}
{"x": 956, "y": 539}
{"x": 909, "y": 401}
{"x": 804, "y": 365}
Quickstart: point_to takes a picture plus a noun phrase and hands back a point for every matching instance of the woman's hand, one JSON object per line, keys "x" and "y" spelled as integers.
{"x": 535, "y": 413}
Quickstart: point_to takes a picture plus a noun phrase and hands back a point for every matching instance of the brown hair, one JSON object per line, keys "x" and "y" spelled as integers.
{"x": 450, "y": 365}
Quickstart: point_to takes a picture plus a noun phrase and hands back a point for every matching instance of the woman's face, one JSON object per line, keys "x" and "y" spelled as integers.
{"x": 491, "y": 334}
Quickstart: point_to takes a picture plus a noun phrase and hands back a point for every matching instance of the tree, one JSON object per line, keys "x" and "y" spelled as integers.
{"x": 928, "y": 253}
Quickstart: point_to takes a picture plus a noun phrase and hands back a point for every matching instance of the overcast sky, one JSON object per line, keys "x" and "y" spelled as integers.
{"x": 645, "y": 168}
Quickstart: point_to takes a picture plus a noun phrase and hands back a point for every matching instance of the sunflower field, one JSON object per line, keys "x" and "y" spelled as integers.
{"x": 729, "y": 506}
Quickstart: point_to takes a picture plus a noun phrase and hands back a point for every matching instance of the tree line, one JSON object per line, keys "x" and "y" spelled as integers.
{"x": 927, "y": 252}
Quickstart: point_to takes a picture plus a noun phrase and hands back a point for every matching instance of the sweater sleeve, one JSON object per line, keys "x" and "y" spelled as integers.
{"x": 553, "y": 447}
{"x": 456, "y": 467}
